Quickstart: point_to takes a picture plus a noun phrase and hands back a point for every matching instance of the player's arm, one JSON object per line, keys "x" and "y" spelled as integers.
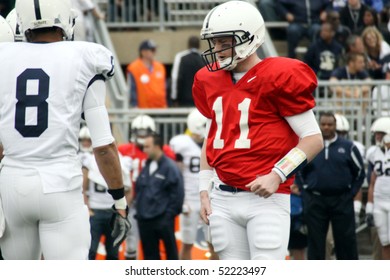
{"x": 106, "y": 154}
{"x": 309, "y": 145}
{"x": 205, "y": 175}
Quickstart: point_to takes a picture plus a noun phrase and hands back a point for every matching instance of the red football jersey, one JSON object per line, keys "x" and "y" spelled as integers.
{"x": 138, "y": 158}
{"x": 248, "y": 132}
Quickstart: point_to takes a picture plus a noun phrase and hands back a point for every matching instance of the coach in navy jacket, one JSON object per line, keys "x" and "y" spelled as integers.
{"x": 330, "y": 182}
{"x": 159, "y": 194}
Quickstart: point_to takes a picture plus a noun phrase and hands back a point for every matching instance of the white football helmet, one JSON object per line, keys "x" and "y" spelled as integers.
{"x": 6, "y": 34}
{"x": 239, "y": 20}
{"x": 36, "y": 14}
{"x": 342, "y": 123}
{"x": 196, "y": 123}
{"x": 13, "y": 22}
{"x": 381, "y": 125}
{"x": 141, "y": 127}
{"x": 85, "y": 135}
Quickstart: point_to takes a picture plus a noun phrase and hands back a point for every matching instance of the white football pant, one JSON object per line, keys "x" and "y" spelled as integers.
{"x": 382, "y": 219}
{"x": 189, "y": 223}
{"x": 55, "y": 224}
{"x": 246, "y": 226}
{"x": 132, "y": 239}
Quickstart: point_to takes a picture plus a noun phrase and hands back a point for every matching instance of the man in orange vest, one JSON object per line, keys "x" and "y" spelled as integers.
{"x": 146, "y": 77}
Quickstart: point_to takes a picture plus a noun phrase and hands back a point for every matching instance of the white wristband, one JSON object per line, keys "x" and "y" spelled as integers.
{"x": 120, "y": 203}
{"x": 357, "y": 206}
{"x": 290, "y": 163}
{"x": 369, "y": 208}
{"x": 205, "y": 177}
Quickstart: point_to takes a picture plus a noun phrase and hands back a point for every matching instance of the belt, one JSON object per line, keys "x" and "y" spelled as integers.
{"x": 231, "y": 189}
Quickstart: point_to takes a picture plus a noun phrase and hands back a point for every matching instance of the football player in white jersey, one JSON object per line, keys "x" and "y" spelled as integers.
{"x": 188, "y": 149}
{"x": 378, "y": 202}
{"x": 97, "y": 198}
{"x": 45, "y": 88}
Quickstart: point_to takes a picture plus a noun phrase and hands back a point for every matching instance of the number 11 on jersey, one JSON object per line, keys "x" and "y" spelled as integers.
{"x": 242, "y": 142}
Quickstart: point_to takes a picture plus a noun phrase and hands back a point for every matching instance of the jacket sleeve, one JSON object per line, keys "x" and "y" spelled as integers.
{"x": 358, "y": 173}
{"x": 176, "y": 193}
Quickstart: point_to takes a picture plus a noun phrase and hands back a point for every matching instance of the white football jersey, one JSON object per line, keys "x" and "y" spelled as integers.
{"x": 381, "y": 162}
{"x": 41, "y": 99}
{"x": 190, "y": 150}
{"x": 98, "y": 196}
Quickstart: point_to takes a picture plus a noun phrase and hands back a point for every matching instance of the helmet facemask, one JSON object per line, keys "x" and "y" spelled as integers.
{"x": 210, "y": 57}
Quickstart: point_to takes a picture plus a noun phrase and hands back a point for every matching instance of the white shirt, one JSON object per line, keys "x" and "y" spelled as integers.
{"x": 186, "y": 146}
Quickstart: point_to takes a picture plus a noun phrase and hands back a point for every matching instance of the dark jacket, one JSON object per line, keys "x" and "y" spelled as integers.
{"x": 161, "y": 193}
{"x": 304, "y": 11}
{"x": 323, "y": 58}
{"x": 353, "y": 24}
{"x": 335, "y": 170}
{"x": 186, "y": 64}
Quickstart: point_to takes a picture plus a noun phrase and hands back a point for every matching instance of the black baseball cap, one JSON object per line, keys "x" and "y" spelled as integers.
{"x": 147, "y": 45}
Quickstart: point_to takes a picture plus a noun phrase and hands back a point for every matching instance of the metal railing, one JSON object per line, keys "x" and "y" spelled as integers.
{"x": 360, "y": 111}
{"x": 158, "y": 14}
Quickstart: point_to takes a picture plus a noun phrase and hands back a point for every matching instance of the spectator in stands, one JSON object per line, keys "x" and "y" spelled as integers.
{"x": 341, "y": 32}
{"x": 356, "y": 96}
{"x": 371, "y": 18}
{"x": 381, "y": 96}
{"x": 377, "y": 51}
{"x": 159, "y": 194}
{"x": 352, "y": 15}
{"x": 185, "y": 65}
{"x": 269, "y": 10}
{"x": 304, "y": 17}
{"x": 324, "y": 53}
{"x": 146, "y": 78}
{"x": 83, "y": 29}
{"x": 332, "y": 179}
{"x": 354, "y": 44}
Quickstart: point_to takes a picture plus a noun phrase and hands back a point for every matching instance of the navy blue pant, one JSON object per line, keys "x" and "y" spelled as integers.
{"x": 154, "y": 230}
{"x": 296, "y": 31}
{"x": 321, "y": 210}
{"x": 100, "y": 225}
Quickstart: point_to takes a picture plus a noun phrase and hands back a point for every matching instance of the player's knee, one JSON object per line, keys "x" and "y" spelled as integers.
{"x": 219, "y": 234}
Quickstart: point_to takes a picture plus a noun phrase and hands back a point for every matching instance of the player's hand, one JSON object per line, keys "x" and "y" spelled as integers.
{"x": 370, "y": 220}
{"x": 266, "y": 185}
{"x": 186, "y": 210}
{"x": 120, "y": 225}
{"x": 205, "y": 207}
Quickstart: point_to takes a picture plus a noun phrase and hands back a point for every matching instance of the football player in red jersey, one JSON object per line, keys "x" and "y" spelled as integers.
{"x": 261, "y": 130}
{"x": 141, "y": 126}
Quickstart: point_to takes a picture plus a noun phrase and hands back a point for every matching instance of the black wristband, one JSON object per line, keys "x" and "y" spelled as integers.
{"x": 117, "y": 193}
